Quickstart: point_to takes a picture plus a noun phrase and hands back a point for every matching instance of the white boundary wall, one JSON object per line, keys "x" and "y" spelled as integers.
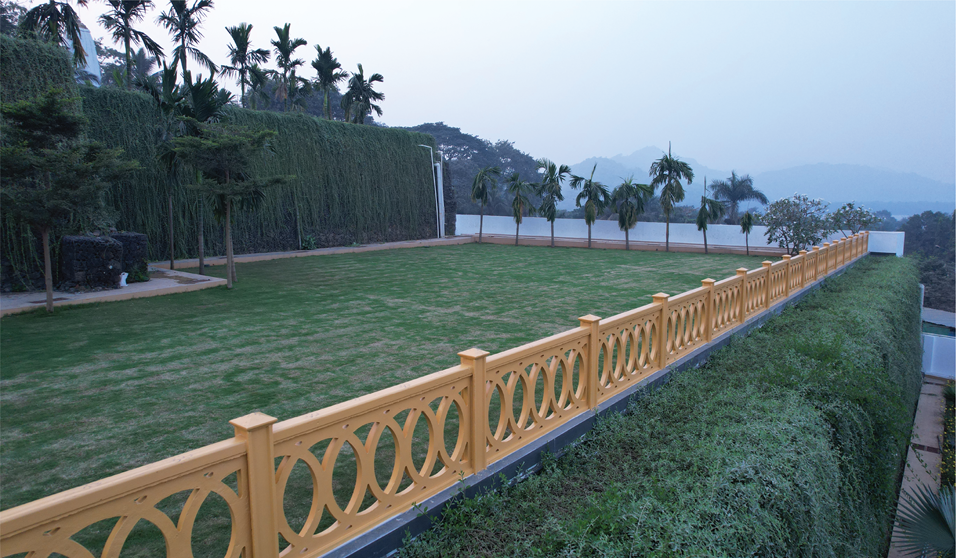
{"x": 939, "y": 356}
{"x": 681, "y": 233}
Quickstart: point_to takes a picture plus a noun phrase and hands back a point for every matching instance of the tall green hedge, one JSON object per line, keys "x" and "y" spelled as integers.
{"x": 353, "y": 183}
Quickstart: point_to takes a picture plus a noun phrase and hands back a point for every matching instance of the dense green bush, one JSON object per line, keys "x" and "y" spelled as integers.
{"x": 353, "y": 183}
{"x": 789, "y": 442}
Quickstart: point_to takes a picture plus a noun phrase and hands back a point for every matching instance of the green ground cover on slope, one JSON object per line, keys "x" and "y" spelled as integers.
{"x": 92, "y": 391}
{"x": 787, "y": 443}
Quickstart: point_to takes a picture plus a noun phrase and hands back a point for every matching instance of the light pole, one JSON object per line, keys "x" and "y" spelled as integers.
{"x": 439, "y": 202}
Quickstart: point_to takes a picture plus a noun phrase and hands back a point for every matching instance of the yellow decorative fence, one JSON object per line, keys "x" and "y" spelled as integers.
{"x": 472, "y": 415}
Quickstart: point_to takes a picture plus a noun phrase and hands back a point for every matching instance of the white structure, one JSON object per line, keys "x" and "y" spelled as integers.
{"x": 681, "y": 233}
{"x": 939, "y": 356}
{"x": 92, "y": 68}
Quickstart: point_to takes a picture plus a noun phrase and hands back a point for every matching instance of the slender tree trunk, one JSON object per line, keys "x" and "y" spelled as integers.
{"x": 232, "y": 266}
{"x": 129, "y": 83}
{"x": 667, "y": 232}
{"x": 481, "y": 220}
{"x": 705, "y": 241}
{"x": 172, "y": 247}
{"x": 517, "y": 228}
{"x": 298, "y": 221}
{"x": 552, "y": 233}
{"x": 202, "y": 251}
{"x": 47, "y": 269}
{"x": 747, "y": 241}
{"x": 589, "y": 235}
{"x": 228, "y": 226}
{"x": 328, "y": 109}
{"x": 242, "y": 86}
{"x": 627, "y": 240}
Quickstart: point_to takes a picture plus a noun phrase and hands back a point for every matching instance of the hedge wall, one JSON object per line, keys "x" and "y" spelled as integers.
{"x": 353, "y": 183}
{"x": 789, "y": 442}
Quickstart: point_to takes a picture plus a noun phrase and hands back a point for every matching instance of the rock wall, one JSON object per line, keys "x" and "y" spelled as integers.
{"x": 90, "y": 261}
{"x": 135, "y": 251}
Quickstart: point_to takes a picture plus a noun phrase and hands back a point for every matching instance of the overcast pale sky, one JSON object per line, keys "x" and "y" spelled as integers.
{"x": 751, "y": 86}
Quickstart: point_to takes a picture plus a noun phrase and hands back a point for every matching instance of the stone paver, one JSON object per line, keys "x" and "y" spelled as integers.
{"x": 923, "y": 456}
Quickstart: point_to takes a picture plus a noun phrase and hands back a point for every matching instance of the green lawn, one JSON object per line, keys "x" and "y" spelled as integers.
{"x": 92, "y": 391}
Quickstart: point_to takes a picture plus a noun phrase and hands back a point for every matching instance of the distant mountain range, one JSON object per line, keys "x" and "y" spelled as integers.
{"x": 900, "y": 193}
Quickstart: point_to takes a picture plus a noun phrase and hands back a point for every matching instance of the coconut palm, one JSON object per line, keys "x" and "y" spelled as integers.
{"x": 242, "y": 57}
{"x": 182, "y": 22}
{"x": 258, "y": 80}
{"x": 357, "y": 101}
{"x": 594, "y": 195}
{"x": 667, "y": 172}
{"x": 482, "y": 188}
{"x": 57, "y": 22}
{"x": 747, "y": 225}
{"x": 550, "y": 190}
{"x": 709, "y": 212}
{"x": 329, "y": 73}
{"x": 631, "y": 201}
{"x": 735, "y": 190}
{"x": 520, "y": 201}
{"x": 119, "y": 20}
{"x": 284, "y": 47}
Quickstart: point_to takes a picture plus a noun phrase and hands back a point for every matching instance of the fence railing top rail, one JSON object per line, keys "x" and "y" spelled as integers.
{"x": 76, "y": 500}
{"x": 624, "y": 317}
{"x": 687, "y": 295}
{"x": 530, "y": 349}
{"x": 321, "y": 418}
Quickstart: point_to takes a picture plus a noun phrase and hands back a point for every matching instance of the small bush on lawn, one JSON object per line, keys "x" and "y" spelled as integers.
{"x": 787, "y": 443}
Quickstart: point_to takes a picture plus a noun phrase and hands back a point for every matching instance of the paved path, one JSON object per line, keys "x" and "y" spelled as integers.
{"x": 162, "y": 281}
{"x": 923, "y": 456}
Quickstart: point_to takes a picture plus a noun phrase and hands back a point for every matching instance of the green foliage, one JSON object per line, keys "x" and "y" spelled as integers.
{"x": 850, "y": 219}
{"x": 797, "y": 223}
{"x": 29, "y": 69}
{"x": 926, "y": 522}
{"x": 787, "y": 443}
{"x": 931, "y": 238}
{"x": 594, "y": 195}
{"x": 947, "y": 466}
{"x": 734, "y": 190}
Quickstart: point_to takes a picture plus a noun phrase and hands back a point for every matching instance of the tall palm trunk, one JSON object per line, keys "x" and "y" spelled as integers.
{"x": 47, "y": 269}
{"x": 627, "y": 240}
{"x": 747, "y": 241}
{"x": 129, "y": 82}
{"x": 172, "y": 251}
{"x": 552, "y": 233}
{"x": 228, "y": 226}
{"x": 328, "y": 108}
{"x": 202, "y": 251}
{"x": 705, "y": 241}
{"x": 481, "y": 220}
{"x": 589, "y": 235}
{"x": 667, "y": 232}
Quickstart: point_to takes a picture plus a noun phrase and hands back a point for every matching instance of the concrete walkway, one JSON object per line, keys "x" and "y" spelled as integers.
{"x": 162, "y": 281}
{"x": 923, "y": 456}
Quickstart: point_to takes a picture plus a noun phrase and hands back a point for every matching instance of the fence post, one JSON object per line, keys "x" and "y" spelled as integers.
{"x": 786, "y": 274}
{"x": 767, "y": 289}
{"x": 661, "y": 298}
{"x": 839, "y": 253}
{"x": 710, "y": 312}
{"x": 594, "y": 351}
{"x": 803, "y": 275}
{"x": 475, "y": 358}
{"x": 866, "y": 243}
{"x": 816, "y": 263}
{"x": 256, "y": 430}
{"x": 742, "y": 307}
{"x": 826, "y": 254}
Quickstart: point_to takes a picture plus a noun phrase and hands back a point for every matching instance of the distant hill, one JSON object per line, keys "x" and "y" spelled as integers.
{"x": 900, "y": 193}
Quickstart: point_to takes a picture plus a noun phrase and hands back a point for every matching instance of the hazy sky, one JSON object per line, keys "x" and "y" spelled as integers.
{"x": 749, "y": 86}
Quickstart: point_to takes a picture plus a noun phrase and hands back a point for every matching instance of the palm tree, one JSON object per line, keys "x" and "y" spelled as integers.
{"x": 735, "y": 190}
{"x": 242, "y": 56}
{"x": 631, "y": 201}
{"x": 57, "y": 22}
{"x": 710, "y": 211}
{"x": 481, "y": 190}
{"x": 550, "y": 190}
{"x": 595, "y": 197}
{"x": 258, "y": 79}
{"x": 357, "y": 101}
{"x": 119, "y": 19}
{"x": 747, "y": 225}
{"x": 183, "y": 23}
{"x": 297, "y": 90}
{"x": 329, "y": 73}
{"x": 521, "y": 202}
{"x": 285, "y": 52}
{"x": 667, "y": 172}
